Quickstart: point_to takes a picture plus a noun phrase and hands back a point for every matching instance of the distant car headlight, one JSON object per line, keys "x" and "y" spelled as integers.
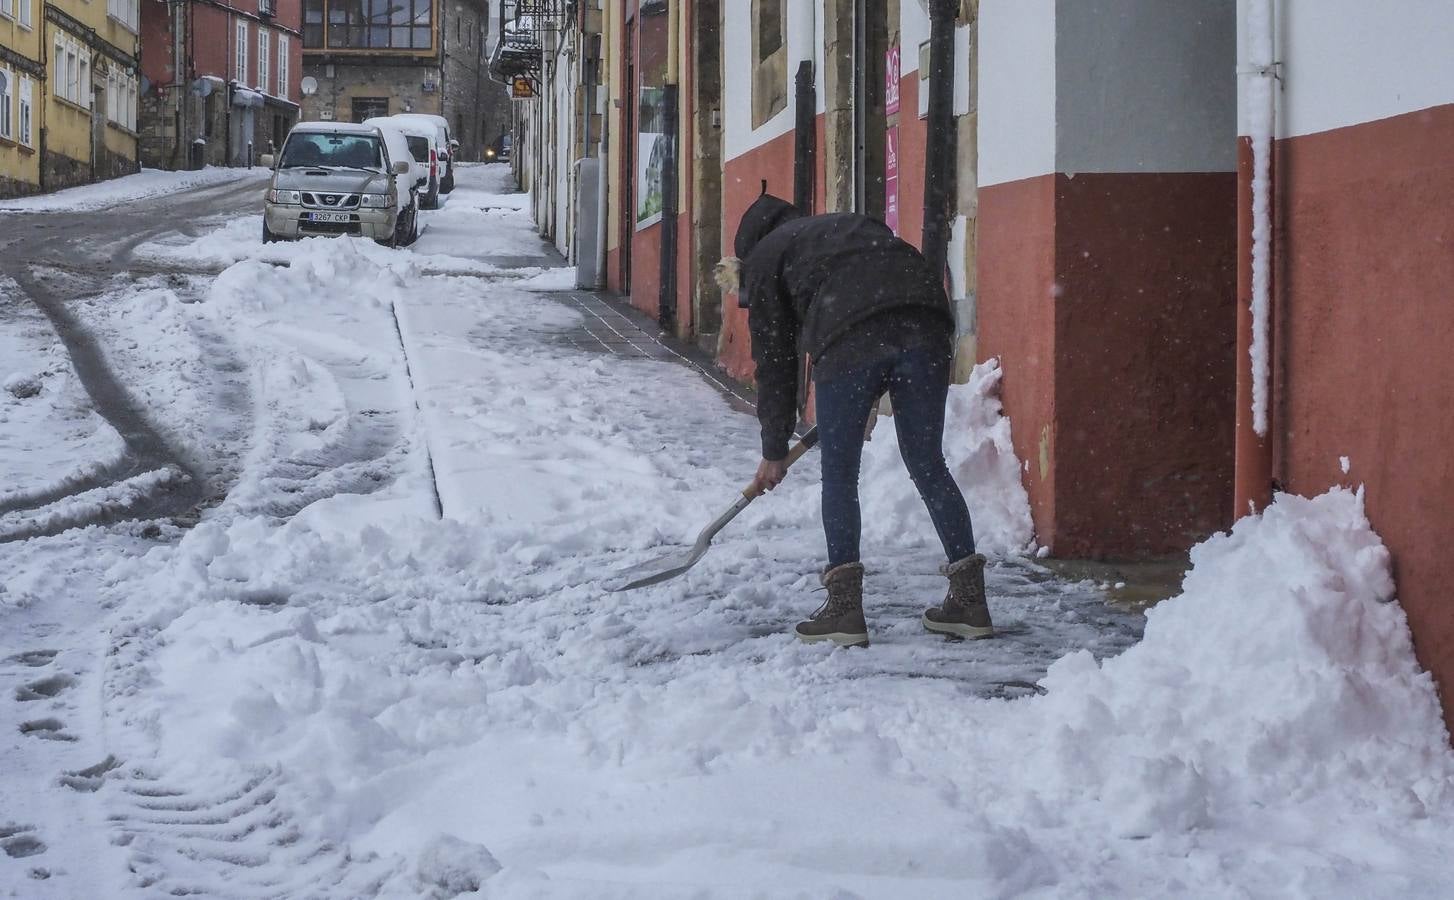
{"x": 490, "y": 153}
{"x": 287, "y": 198}
{"x": 375, "y": 201}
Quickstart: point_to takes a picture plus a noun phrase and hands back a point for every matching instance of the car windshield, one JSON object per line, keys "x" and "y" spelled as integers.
{"x": 332, "y": 151}
{"x": 419, "y": 147}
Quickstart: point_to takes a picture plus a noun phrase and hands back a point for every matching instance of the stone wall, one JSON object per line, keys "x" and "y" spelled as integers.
{"x": 58, "y": 171}
{"x": 407, "y": 85}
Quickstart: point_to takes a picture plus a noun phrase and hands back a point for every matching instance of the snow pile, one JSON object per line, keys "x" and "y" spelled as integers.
{"x": 1281, "y": 677}
{"x": 454, "y": 867}
{"x": 561, "y": 278}
{"x": 128, "y": 188}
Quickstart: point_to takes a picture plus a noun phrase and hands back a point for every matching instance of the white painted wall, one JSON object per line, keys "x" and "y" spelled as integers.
{"x": 1146, "y": 86}
{"x": 804, "y": 39}
{"x": 1346, "y": 62}
{"x": 1016, "y": 89}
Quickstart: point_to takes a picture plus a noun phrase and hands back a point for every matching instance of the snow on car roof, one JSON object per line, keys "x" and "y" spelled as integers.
{"x": 335, "y": 128}
{"x": 407, "y": 126}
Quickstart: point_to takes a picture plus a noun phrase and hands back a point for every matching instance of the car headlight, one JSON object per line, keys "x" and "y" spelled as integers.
{"x": 287, "y": 198}
{"x": 375, "y": 201}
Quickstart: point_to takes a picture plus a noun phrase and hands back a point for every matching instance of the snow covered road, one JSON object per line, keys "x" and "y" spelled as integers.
{"x": 318, "y": 686}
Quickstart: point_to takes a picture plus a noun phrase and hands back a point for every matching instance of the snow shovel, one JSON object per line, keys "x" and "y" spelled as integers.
{"x": 655, "y": 571}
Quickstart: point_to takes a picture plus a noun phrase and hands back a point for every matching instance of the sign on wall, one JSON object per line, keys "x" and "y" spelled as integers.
{"x": 891, "y": 178}
{"x": 892, "y": 72}
{"x": 522, "y": 88}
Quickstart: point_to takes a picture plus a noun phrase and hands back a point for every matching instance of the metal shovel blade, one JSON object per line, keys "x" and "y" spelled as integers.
{"x": 654, "y": 571}
{"x": 675, "y": 563}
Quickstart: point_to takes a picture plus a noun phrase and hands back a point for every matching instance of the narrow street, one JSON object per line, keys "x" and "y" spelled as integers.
{"x": 306, "y": 552}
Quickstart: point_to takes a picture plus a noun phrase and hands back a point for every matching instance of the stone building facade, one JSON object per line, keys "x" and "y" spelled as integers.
{"x": 438, "y": 67}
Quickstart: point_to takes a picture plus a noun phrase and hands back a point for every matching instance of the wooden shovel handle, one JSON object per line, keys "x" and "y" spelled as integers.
{"x": 807, "y": 442}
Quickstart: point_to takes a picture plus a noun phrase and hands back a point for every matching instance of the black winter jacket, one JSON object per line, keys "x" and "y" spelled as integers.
{"x": 806, "y": 282}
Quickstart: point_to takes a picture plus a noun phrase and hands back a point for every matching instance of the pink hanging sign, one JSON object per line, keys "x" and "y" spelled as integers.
{"x": 891, "y": 178}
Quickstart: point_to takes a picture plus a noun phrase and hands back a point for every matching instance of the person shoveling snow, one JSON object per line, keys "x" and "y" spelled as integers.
{"x": 870, "y": 316}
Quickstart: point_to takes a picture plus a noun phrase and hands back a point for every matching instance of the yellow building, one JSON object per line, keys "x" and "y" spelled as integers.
{"x": 69, "y": 73}
{"x": 22, "y": 71}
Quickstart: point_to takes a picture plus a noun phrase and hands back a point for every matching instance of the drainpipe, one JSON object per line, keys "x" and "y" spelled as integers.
{"x": 939, "y": 186}
{"x": 667, "y": 296}
{"x": 1253, "y": 481}
{"x": 805, "y": 138}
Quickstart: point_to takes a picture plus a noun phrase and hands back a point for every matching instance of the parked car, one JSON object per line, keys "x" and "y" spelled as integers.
{"x": 424, "y": 148}
{"x": 335, "y": 178}
{"x": 407, "y": 184}
{"x": 447, "y": 144}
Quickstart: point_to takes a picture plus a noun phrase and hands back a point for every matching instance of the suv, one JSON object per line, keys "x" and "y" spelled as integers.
{"x": 335, "y": 178}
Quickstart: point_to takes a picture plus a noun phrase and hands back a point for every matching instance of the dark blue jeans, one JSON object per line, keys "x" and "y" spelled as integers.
{"x": 917, "y": 382}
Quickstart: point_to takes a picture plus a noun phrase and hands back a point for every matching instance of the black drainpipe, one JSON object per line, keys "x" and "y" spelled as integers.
{"x": 805, "y": 138}
{"x": 939, "y": 163}
{"x": 667, "y": 296}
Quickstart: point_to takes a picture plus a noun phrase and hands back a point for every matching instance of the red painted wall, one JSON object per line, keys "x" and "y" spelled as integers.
{"x": 913, "y": 139}
{"x": 1145, "y": 369}
{"x": 1366, "y": 312}
{"x": 1110, "y": 301}
{"x": 742, "y": 180}
{"x": 1017, "y": 324}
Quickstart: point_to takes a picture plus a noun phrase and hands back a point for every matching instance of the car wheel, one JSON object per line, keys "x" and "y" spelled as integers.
{"x": 448, "y": 184}
{"x": 268, "y": 236}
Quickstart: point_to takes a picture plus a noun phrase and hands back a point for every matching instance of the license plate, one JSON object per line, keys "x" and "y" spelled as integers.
{"x": 328, "y": 217}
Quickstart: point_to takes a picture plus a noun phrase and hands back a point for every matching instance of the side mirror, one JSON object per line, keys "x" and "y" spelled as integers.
{"x": 399, "y": 168}
{"x": 453, "y": 144}
{"x": 266, "y": 160}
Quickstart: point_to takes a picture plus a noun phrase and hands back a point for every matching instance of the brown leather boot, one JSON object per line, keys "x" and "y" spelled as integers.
{"x": 840, "y": 618}
{"x": 965, "y": 612}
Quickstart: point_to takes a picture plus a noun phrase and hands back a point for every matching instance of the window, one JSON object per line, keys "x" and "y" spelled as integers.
{"x": 369, "y": 24}
{"x": 355, "y": 151}
{"x": 770, "y": 61}
{"x": 240, "y": 75}
{"x": 769, "y": 28}
{"x": 262, "y": 59}
{"x": 127, "y": 12}
{"x": 313, "y": 24}
{"x": 26, "y": 137}
{"x": 121, "y": 99}
{"x": 7, "y": 80}
{"x": 24, "y": 6}
{"x": 7, "y": 8}
{"x": 369, "y": 107}
{"x": 283, "y": 66}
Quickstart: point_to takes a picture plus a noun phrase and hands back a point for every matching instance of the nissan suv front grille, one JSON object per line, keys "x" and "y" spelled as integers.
{"x": 321, "y": 200}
